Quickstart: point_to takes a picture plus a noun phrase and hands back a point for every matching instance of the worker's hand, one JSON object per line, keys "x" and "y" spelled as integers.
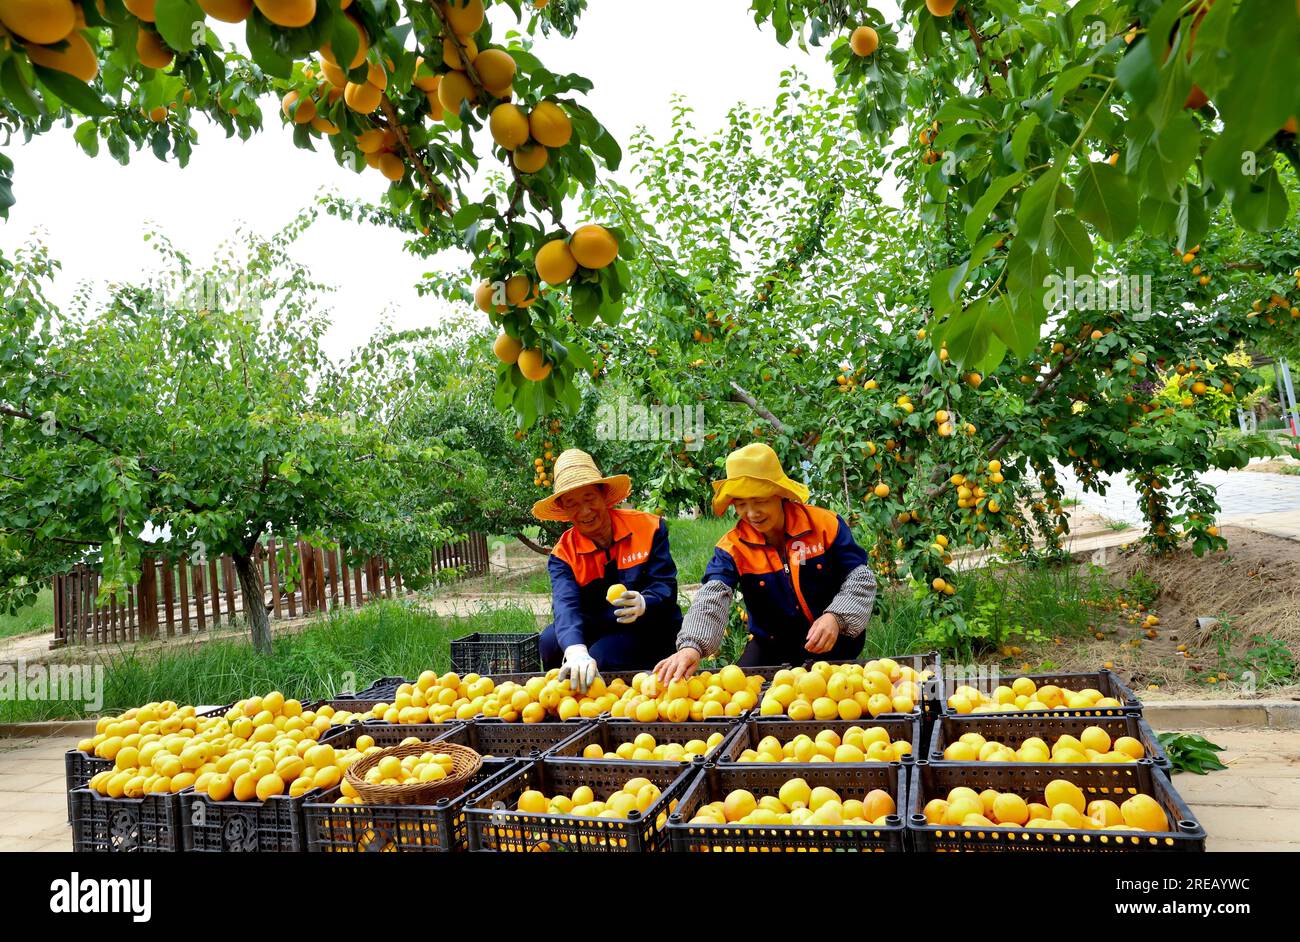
{"x": 630, "y": 606}
{"x": 823, "y": 634}
{"x": 579, "y": 668}
{"x": 679, "y": 666}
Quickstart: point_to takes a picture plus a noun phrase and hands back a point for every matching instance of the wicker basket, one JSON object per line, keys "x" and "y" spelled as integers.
{"x": 466, "y": 762}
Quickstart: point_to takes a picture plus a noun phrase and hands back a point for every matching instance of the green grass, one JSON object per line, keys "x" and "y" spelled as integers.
{"x": 692, "y": 542}
{"x": 39, "y": 616}
{"x": 382, "y": 639}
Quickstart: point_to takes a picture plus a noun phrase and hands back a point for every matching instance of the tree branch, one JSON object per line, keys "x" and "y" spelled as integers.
{"x": 430, "y": 185}
{"x": 540, "y": 550}
{"x": 741, "y": 394}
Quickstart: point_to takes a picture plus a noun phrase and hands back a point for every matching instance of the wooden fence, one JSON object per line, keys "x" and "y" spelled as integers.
{"x": 181, "y": 596}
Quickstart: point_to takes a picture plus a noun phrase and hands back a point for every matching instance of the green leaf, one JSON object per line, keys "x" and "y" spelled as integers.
{"x": 176, "y": 20}
{"x": 16, "y": 89}
{"x": 1068, "y": 81}
{"x": 1034, "y": 219}
{"x": 263, "y": 43}
{"x": 1104, "y": 198}
{"x": 1262, "y": 93}
{"x": 87, "y": 137}
{"x": 1017, "y": 330}
{"x": 74, "y": 92}
{"x": 343, "y": 38}
{"x": 984, "y": 205}
{"x": 1070, "y": 245}
{"x": 1262, "y": 205}
{"x": 1020, "y": 139}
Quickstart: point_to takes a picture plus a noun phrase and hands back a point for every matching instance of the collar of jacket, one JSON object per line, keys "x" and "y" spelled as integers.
{"x": 583, "y": 544}
{"x": 797, "y": 524}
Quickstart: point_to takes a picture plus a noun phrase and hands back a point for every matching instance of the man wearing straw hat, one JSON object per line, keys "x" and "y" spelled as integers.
{"x": 807, "y": 587}
{"x": 607, "y": 547}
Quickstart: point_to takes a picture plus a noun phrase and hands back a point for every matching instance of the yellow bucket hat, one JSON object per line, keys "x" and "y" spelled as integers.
{"x": 574, "y": 469}
{"x": 755, "y": 472}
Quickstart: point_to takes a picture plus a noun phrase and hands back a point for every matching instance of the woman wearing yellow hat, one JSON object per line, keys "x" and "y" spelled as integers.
{"x": 607, "y": 547}
{"x": 807, "y": 587}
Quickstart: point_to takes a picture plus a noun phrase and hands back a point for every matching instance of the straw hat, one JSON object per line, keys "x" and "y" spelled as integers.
{"x": 755, "y": 472}
{"x": 574, "y": 469}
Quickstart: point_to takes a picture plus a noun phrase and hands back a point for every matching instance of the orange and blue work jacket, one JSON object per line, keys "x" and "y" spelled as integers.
{"x": 581, "y": 574}
{"x": 787, "y": 588}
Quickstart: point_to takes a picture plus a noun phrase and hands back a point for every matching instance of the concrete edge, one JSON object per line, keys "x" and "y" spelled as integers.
{"x": 1161, "y": 714}
{"x": 1222, "y": 714}
{"x": 82, "y": 729}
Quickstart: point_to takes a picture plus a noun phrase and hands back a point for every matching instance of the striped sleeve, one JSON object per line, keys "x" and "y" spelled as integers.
{"x": 705, "y": 625}
{"x": 855, "y": 600}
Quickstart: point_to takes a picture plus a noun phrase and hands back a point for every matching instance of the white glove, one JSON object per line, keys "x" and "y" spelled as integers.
{"x": 579, "y": 668}
{"x": 631, "y": 606}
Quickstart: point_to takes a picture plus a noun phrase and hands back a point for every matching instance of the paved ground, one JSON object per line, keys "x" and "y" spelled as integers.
{"x": 1253, "y": 805}
{"x": 1242, "y": 496}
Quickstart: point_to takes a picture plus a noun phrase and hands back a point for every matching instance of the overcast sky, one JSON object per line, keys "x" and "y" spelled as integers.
{"x": 93, "y": 211}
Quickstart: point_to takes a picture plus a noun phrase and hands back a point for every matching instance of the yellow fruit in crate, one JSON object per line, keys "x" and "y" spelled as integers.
{"x": 1010, "y": 809}
{"x": 959, "y": 809}
{"x": 1068, "y": 815}
{"x": 783, "y": 694}
{"x": 795, "y": 793}
{"x": 738, "y": 804}
{"x": 732, "y": 678}
{"x": 533, "y": 802}
{"x": 960, "y": 752}
{"x": 1130, "y": 747}
{"x": 1104, "y": 813}
{"x": 811, "y": 686}
{"x": 849, "y": 709}
{"x": 1144, "y": 813}
{"x": 1062, "y": 792}
{"x": 879, "y": 703}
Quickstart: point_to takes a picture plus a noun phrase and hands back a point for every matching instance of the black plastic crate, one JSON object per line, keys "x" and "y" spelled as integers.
{"x": 436, "y": 828}
{"x": 1106, "y": 682}
{"x": 382, "y": 689}
{"x": 755, "y": 728}
{"x": 1015, "y": 728}
{"x": 1097, "y": 780}
{"x": 490, "y": 737}
{"x": 609, "y": 733}
{"x": 488, "y": 653}
{"x": 389, "y": 734}
{"x": 495, "y": 825}
{"x": 850, "y": 780}
{"x": 78, "y": 769}
{"x": 272, "y": 826}
{"x": 103, "y": 825}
